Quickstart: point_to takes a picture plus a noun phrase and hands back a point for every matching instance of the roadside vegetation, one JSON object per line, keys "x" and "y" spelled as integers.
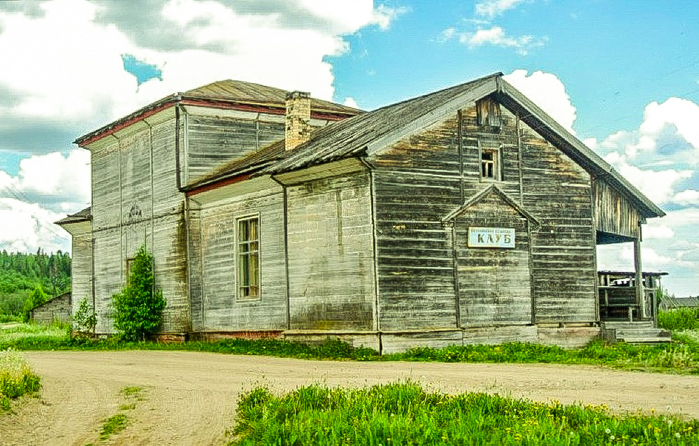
{"x": 16, "y": 378}
{"x": 405, "y": 414}
{"x": 679, "y": 356}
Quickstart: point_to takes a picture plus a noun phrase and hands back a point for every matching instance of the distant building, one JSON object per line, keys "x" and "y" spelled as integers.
{"x": 467, "y": 215}
{"x": 58, "y": 309}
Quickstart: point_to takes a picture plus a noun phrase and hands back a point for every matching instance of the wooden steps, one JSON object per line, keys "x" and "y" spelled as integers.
{"x": 639, "y": 332}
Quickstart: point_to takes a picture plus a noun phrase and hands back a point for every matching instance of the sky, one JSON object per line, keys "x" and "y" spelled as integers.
{"x": 621, "y": 75}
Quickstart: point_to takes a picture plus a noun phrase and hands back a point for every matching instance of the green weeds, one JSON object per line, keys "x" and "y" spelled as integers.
{"x": 16, "y": 378}
{"x": 405, "y": 414}
{"x": 679, "y": 319}
{"x": 113, "y": 425}
{"x": 679, "y": 356}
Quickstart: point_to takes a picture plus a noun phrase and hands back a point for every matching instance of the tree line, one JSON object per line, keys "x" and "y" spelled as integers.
{"x": 28, "y": 280}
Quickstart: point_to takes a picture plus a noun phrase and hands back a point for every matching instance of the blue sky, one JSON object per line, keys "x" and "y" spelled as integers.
{"x": 622, "y": 75}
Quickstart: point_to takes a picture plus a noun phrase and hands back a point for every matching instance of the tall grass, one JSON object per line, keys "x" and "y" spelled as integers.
{"x": 16, "y": 378}
{"x": 679, "y": 319}
{"x": 405, "y": 414}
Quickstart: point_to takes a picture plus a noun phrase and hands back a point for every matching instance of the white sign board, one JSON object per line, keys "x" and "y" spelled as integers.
{"x": 491, "y": 237}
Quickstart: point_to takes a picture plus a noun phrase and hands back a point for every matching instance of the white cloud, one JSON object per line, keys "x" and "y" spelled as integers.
{"x": 687, "y": 197}
{"x": 548, "y": 92}
{"x": 447, "y": 35}
{"x": 496, "y": 36}
{"x": 350, "y": 102}
{"x": 27, "y": 227}
{"x": 493, "y": 8}
{"x": 62, "y": 68}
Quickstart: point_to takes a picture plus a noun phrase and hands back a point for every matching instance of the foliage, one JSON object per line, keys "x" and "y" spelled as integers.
{"x": 36, "y": 298}
{"x": 138, "y": 308}
{"x": 16, "y": 378}
{"x": 85, "y": 319}
{"x": 403, "y": 413}
{"x": 113, "y": 425}
{"x": 679, "y": 319}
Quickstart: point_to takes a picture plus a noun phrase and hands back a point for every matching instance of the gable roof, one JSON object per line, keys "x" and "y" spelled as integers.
{"x": 368, "y": 133}
{"x": 480, "y": 196}
{"x": 224, "y": 94}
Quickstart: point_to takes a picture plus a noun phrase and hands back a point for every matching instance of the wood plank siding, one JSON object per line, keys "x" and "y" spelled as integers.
{"x": 138, "y": 203}
{"x": 331, "y": 262}
{"x": 613, "y": 213}
{"x": 421, "y": 179}
{"x": 216, "y": 303}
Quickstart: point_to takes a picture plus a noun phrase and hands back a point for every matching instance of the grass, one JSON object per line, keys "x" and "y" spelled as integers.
{"x": 679, "y": 319}
{"x": 679, "y": 356}
{"x": 16, "y": 378}
{"x": 113, "y": 425}
{"x": 405, "y": 414}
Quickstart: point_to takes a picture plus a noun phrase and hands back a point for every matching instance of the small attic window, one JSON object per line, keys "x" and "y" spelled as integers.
{"x": 491, "y": 164}
{"x": 488, "y": 112}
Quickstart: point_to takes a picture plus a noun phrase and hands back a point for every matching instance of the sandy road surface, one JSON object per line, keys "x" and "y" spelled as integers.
{"x": 189, "y": 398}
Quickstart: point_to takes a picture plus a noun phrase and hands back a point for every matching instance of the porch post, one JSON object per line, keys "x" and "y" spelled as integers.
{"x": 640, "y": 298}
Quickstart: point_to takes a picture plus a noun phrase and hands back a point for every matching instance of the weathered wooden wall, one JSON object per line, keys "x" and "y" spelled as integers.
{"x": 217, "y": 307}
{"x": 613, "y": 213}
{"x": 58, "y": 309}
{"x": 215, "y": 137}
{"x": 417, "y": 183}
{"x": 421, "y": 179}
{"x": 81, "y": 263}
{"x": 134, "y": 190}
{"x": 494, "y": 283}
{"x": 331, "y": 262}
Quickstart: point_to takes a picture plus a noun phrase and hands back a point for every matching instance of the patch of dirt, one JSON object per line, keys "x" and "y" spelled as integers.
{"x": 189, "y": 398}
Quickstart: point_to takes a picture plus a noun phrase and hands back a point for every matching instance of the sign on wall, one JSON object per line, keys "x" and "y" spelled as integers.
{"x": 491, "y": 237}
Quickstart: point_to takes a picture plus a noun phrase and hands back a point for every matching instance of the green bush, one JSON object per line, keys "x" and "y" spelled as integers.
{"x": 16, "y": 378}
{"x": 679, "y": 319}
{"x": 85, "y": 318}
{"x": 138, "y": 308}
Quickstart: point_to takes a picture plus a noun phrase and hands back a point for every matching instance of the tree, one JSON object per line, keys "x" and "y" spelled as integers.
{"x": 139, "y": 306}
{"x": 36, "y": 298}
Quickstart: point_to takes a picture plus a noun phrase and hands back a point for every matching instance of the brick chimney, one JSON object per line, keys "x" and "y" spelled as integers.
{"x": 298, "y": 118}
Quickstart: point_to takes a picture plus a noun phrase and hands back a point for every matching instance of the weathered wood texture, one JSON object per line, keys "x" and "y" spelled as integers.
{"x": 331, "y": 263}
{"x": 613, "y": 213}
{"x": 216, "y": 140}
{"x": 417, "y": 183}
{"x": 81, "y": 266}
{"x": 58, "y": 309}
{"x": 135, "y": 190}
{"x": 421, "y": 179}
{"x": 494, "y": 283}
{"x": 219, "y": 307}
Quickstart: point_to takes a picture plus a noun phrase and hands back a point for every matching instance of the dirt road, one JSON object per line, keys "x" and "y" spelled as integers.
{"x": 190, "y": 398}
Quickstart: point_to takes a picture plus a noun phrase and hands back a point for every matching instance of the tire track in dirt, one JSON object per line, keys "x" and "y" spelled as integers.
{"x": 189, "y": 398}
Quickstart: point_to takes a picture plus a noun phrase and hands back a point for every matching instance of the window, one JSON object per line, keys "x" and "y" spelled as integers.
{"x": 129, "y": 267}
{"x": 249, "y": 258}
{"x": 490, "y": 165}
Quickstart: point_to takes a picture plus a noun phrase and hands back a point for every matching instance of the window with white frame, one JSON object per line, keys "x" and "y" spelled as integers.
{"x": 249, "y": 258}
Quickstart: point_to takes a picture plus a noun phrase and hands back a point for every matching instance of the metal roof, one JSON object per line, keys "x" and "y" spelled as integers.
{"x": 226, "y": 93}
{"x": 83, "y": 215}
{"x": 371, "y": 132}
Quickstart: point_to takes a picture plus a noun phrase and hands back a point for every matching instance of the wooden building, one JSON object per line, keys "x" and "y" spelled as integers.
{"x": 467, "y": 215}
{"x": 58, "y": 309}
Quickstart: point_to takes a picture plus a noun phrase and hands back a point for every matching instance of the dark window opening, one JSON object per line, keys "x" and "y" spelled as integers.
{"x": 490, "y": 165}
